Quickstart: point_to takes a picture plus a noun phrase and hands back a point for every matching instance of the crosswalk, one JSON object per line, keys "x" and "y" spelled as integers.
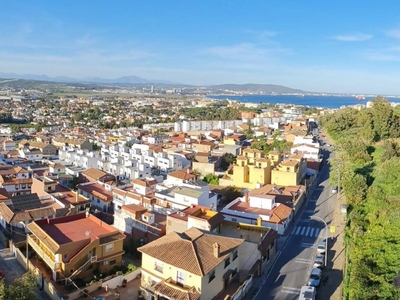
{"x": 306, "y": 231}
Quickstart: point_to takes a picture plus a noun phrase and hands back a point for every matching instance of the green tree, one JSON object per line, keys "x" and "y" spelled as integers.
{"x": 211, "y": 179}
{"x": 23, "y": 288}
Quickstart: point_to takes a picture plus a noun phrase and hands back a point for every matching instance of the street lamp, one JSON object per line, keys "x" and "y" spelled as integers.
{"x": 326, "y": 237}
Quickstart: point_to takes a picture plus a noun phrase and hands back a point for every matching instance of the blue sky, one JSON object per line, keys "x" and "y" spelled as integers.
{"x": 327, "y": 46}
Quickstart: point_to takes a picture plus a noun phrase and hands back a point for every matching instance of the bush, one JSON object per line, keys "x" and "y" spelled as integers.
{"x": 130, "y": 268}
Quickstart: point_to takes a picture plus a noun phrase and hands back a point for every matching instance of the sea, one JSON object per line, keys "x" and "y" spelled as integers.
{"x": 306, "y": 100}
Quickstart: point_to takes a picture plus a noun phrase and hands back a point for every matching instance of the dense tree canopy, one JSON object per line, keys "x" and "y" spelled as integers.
{"x": 368, "y": 157}
{"x": 23, "y": 288}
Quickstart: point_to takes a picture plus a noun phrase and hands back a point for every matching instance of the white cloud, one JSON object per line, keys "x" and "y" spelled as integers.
{"x": 393, "y": 33}
{"x": 353, "y": 37}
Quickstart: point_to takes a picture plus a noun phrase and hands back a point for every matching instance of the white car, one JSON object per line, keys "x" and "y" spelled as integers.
{"x": 334, "y": 189}
{"x": 319, "y": 261}
{"x": 321, "y": 247}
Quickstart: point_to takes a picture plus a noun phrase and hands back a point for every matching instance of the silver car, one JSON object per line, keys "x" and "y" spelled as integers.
{"x": 315, "y": 277}
{"x": 319, "y": 261}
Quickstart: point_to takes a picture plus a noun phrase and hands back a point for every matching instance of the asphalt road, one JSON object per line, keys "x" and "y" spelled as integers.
{"x": 294, "y": 264}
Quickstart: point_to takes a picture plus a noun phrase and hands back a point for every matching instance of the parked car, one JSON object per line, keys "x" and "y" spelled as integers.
{"x": 321, "y": 248}
{"x": 315, "y": 277}
{"x": 307, "y": 293}
{"x": 319, "y": 261}
{"x": 334, "y": 189}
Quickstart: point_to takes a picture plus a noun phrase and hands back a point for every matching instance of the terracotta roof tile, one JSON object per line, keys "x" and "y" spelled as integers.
{"x": 164, "y": 289}
{"x": 94, "y": 173}
{"x": 191, "y": 250}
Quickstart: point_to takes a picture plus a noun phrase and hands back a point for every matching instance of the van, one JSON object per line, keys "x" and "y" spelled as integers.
{"x": 307, "y": 293}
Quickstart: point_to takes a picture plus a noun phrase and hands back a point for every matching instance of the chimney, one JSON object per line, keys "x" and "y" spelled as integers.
{"x": 246, "y": 198}
{"x": 259, "y": 221}
{"x": 76, "y": 197}
{"x": 216, "y": 250}
{"x": 187, "y": 171}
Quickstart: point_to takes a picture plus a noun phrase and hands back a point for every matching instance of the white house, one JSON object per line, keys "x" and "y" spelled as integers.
{"x": 261, "y": 210}
{"x": 33, "y": 155}
{"x": 307, "y": 151}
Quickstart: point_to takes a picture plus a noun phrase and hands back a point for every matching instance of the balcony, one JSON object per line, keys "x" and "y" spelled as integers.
{"x": 43, "y": 253}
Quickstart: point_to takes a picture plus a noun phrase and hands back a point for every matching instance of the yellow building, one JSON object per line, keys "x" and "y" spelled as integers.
{"x": 189, "y": 265}
{"x": 290, "y": 171}
{"x": 251, "y": 170}
{"x": 275, "y": 157}
{"x": 74, "y": 246}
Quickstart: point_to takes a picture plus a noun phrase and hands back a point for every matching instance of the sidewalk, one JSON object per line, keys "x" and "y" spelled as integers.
{"x": 332, "y": 280}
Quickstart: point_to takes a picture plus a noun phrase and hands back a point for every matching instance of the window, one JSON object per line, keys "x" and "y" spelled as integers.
{"x": 235, "y": 254}
{"x": 211, "y": 276}
{"x": 158, "y": 266}
{"x": 234, "y": 272}
{"x": 227, "y": 262}
{"x": 287, "y": 169}
{"x": 98, "y": 201}
{"x": 109, "y": 247}
{"x": 180, "y": 278}
{"x": 234, "y": 219}
{"x": 113, "y": 262}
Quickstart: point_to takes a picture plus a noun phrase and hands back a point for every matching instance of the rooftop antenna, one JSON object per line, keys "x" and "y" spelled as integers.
{"x": 87, "y": 232}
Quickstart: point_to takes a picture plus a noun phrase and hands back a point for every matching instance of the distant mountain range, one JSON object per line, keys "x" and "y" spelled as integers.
{"x": 256, "y": 88}
{"x": 120, "y": 80}
{"x": 135, "y": 80}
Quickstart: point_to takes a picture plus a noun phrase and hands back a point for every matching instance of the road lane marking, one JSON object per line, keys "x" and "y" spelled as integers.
{"x": 306, "y": 259}
{"x": 290, "y": 290}
{"x": 312, "y": 231}
{"x": 308, "y": 229}
{"x": 304, "y": 220}
{"x": 302, "y": 231}
{"x": 308, "y": 245}
{"x": 298, "y": 230}
{"x": 317, "y": 230}
{"x": 302, "y": 262}
{"x": 309, "y": 211}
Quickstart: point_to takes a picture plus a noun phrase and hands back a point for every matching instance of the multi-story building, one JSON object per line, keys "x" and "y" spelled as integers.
{"x": 251, "y": 170}
{"x": 76, "y": 245}
{"x": 98, "y": 194}
{"x": 48, "y": 188}
{"x": 308, "y": 151}
{"x": 290, "y": 171}
{"x": 16, "y": 180}
{"x": 33, "y": 155}
{"x": 173, "y": 269}
{"x": 260, "y": 210}
{"x": 24, "y": 209}
{"x": 8, "y": 145}
{"x": 197, "y": 216}
{"x": 139, "y": 222}
{"x": 79, "y": 157}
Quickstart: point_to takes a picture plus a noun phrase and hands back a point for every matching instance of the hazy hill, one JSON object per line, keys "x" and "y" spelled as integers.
{"x": 121, "y": 80}
{"x": 255, "y": 88}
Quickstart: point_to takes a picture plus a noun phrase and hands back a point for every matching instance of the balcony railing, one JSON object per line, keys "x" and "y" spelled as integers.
{"x": 43, "y": 253}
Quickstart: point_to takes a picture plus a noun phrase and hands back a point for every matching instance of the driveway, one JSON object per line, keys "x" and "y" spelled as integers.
{"x": 9, "y": 265}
